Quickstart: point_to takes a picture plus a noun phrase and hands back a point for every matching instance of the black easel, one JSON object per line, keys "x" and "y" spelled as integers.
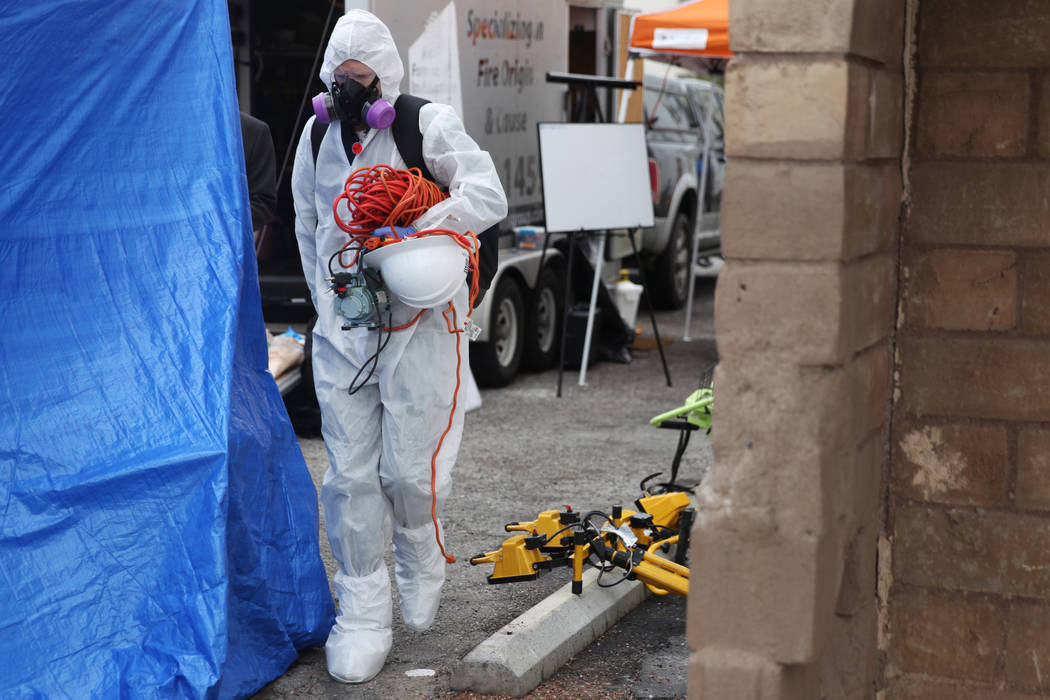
{"x": 593, "y": 301}
{"x": 589, "y": 84}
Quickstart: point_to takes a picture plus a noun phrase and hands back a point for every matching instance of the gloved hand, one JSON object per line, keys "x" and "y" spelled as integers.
{"x": 394, "y": 231}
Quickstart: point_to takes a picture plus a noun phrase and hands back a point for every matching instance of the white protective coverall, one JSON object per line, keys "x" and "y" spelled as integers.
{"x": 381, "y": 439}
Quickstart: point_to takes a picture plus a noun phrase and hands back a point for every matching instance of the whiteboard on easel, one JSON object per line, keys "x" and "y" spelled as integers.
{"x": 595, "y": 176}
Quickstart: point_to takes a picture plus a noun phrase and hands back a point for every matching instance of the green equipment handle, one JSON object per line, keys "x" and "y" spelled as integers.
{"x": 696, "y": 401}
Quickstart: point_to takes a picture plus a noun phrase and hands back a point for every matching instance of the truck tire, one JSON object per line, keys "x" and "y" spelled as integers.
{"x": 668, "y": 278}
{"x": 301, "y": 402}
{"x": 496, "y": 362}
{"x": 544, "y": 320}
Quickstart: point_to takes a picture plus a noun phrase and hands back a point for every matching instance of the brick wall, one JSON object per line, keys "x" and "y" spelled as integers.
{"x": 969, "y": 516}
{"x": 782, "y": 601}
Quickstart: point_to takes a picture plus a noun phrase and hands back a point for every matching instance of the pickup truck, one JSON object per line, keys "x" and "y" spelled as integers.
{"x": 675, "y": 110}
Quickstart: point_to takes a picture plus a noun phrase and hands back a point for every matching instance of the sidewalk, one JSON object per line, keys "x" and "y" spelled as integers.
{"x": 525, "y": 451}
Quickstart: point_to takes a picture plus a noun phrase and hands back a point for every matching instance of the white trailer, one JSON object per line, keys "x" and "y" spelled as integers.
{"x": 489, "y": 59}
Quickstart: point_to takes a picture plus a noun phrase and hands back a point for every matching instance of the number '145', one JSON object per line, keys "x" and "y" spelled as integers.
{"x": 520, "y": 175}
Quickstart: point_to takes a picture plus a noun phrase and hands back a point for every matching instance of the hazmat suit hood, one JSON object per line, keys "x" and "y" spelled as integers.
{"x": 361, "y": 36}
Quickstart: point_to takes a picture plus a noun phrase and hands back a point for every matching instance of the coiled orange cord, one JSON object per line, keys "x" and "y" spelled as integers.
{"x": 382, "y": 196}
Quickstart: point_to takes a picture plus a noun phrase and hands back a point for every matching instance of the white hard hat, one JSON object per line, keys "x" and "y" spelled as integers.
{"x": 423, "y": 271}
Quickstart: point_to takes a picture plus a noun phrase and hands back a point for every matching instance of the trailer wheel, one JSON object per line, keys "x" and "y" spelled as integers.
{"x": 543, "y": 323}
{"x": 496, "y": 362}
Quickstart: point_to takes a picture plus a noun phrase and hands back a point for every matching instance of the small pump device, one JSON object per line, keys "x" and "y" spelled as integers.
{"x": 361, "y": 298}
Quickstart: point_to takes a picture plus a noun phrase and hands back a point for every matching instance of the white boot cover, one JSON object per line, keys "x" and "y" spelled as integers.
{"x": 360, "y": 639}
{"x": 419, "y": 568}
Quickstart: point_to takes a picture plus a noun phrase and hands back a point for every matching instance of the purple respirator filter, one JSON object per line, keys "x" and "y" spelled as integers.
{"x": 379, "y": 114}
{"x": 324, "y": 107}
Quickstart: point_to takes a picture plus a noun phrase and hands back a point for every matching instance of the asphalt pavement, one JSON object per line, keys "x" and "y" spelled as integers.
{"x": 524, "y": 451}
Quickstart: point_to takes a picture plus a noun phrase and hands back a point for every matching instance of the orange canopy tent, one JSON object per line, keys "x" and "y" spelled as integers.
{"x": 698, "y": 28}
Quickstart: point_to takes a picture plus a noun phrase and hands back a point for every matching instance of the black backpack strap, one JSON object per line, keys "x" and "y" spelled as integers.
{"x": 319, "y": 129}
{"x": 407, "y": 136}
{"x": 317, "y": 132}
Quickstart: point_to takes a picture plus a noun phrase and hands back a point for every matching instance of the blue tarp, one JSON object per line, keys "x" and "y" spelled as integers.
{"x": 158, "y": 526}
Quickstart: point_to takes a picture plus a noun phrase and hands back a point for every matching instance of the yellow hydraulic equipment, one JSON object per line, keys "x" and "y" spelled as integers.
{"x": 512, "y": 561}
{"x": 625, "y": 539}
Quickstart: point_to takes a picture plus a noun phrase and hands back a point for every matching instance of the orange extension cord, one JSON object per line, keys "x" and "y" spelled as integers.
{"x": 382, "y": 196}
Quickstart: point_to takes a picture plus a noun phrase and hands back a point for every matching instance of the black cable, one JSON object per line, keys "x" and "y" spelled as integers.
{"x": 371, "y": 363}
{"x": 627, "y": 575}
{"x": 570, "y": 526}
{"x": 617, "y": 582}
{"x": 657, "y": 536}
{"x": 339, "y": 254}
{"x": 641, "y": 485}
{"x": 585, "y": 521}
{"x": 683, "y": 443}
{"x": 661, "y": 487}
{"x": 551, "y": 538}
{"x": 573, "y": 525}
{"x": 373, "y": 360}
{"x": 670, "y": 486}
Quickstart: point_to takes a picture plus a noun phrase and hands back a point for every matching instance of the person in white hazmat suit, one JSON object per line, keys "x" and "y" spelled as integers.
{"x": 381, "y": 439}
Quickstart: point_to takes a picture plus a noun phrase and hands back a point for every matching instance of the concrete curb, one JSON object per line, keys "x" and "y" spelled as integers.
{"x": 532, "y": 647}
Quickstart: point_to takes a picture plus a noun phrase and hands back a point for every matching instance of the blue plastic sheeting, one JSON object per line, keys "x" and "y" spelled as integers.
{"x": 158, "y": 526}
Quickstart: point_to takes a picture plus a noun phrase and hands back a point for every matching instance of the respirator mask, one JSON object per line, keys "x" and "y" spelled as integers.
{"x": 352, "y": 102}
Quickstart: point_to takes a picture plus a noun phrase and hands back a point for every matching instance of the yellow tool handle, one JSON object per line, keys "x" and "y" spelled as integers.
{"x": 657, "y": 560}
{"x": 653, "y": 589}
{"x": 490, "y": 558}
{"x": 661, "y": 578}
{"x": 580, "y": 551}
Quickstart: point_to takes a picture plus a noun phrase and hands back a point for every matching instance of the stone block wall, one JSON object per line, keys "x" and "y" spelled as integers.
{"x": 782, "y": 601}
{"x": 969, "y": 517}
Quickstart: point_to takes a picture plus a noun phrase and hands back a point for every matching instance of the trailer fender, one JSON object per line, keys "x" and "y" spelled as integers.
{"x": 525, "y": 266}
